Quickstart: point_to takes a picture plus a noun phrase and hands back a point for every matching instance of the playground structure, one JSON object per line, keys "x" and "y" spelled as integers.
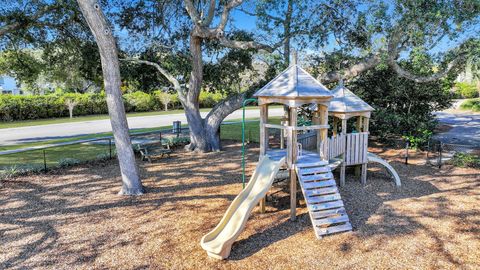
{"x": 310, "y": 162}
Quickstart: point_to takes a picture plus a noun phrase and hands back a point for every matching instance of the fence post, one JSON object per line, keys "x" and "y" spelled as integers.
{"x": 440, "y": 149}
{"x": 44, "y": 160}
{"x": 110, "y": 147}
{"x": 407, "y": 145}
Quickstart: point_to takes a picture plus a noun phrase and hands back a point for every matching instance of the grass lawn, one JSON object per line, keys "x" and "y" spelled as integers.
{"x": 40, "y": 122}
{"x": 91, "y": 151}
{"x": 73, "y": 218}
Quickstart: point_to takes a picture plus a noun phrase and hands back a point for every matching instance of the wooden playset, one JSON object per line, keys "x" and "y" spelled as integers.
{"x": 308, "y": 162}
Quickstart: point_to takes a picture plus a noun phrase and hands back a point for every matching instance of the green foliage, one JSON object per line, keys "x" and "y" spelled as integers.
{"x": 471, "y": 104}
{"x": 420, "y": 140}
{"x": 466, "y": 160}
{"x": 208, "y": 99}
{"x": 66, "y": 162}
{"x": 164, "y": 99}
{"x": 466, "y": 90}
{"x": 402, "y": 107}
{"x": 31, "y": 107}
{"x": 138, "y": 102}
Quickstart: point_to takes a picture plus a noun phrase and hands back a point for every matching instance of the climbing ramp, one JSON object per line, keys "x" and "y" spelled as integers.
{"x": 325, "y": 205}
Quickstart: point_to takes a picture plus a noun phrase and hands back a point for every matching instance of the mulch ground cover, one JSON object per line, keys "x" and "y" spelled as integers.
{"x": 73, "y": 218}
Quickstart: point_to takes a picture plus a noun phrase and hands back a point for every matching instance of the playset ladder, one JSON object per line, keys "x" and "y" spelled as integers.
{"x": 325, "y": 206}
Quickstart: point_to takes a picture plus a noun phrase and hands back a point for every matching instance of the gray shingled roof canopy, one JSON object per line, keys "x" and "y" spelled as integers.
{"x": 292, "y": 83}
{"x": 344, "y": 101}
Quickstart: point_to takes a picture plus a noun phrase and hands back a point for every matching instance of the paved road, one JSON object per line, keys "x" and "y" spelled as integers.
{"x": 12, "y": 136}
{"x": 465, "y": 128}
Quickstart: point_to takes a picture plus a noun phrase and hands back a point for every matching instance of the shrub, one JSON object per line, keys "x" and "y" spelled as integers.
{"x": 208, "y": 99}
{"x": 65, "y": 162}
{"x": 420, "y": 140}
{"x": 471, "y": 104}
{"x": 139, "y": 102}
{"x": 466, "y": 160}
{"x": 466, "y": 90}
{"x": 165, "y": 98}
{"x": 103, "y": 156}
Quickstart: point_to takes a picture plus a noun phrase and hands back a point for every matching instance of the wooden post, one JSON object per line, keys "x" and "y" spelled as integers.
{"x": 316, "y": 121}
{"x": 323, "y": 117}
{"x": 291, "y": 160}
{"x": 343, "y": 168}
{"x": 365, "y": 124}
{"x": 263, "y": 130}
{"x": 263, "y": 142}
{"x": 358, "y": 126}
{"x": 335, "y": 126}
{"x": 284, "y": 123}
{"x": 364, "y": 166}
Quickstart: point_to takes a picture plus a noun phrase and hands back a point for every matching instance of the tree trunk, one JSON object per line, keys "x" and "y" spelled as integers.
{"x": 287, "y": 24}
{"x": 111, "y": 75}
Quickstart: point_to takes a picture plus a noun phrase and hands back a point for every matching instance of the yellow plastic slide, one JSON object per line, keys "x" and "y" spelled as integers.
{"x": 218, "y": 242}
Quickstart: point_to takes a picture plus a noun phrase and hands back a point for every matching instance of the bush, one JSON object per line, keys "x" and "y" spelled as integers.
{"x": 139, "y": 102}
{"x": 208, "y": 99}
{"x": 471, "y": 104}
{"x": 31, "y": 107}
{"x": 416, "y": 142}
{"x": 65, "y": 162}
{"x": 466, "y": 90}
{"x": 15, "y": 108}
{"x": 466, "y": 160}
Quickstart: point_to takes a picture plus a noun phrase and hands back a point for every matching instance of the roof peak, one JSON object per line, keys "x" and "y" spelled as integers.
{"x": 294, "y": 82}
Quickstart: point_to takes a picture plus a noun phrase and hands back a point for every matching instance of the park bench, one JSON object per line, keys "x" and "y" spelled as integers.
{"x": 152, "y": 150}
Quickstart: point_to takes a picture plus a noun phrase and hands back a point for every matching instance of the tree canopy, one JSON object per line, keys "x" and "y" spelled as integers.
{"x": 234, "y": 46}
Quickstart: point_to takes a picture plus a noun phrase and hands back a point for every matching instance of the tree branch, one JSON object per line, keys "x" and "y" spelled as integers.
{"x": 271, "y": 17}
{"x": 424, "y": 79}
{"x": 216, "y": 115}
{"x": 236, "y": 44}
{"x": 17, "y": 25}
{"x": 226, "y": 13}
{"x": 165, "y": 73}
{"x": 351, "y": 71}
{"x": 211, "y": 12}
{"x": 192, "y": 11}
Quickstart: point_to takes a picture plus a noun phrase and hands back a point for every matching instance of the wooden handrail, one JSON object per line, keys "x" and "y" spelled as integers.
{"x": 312, "y": 127}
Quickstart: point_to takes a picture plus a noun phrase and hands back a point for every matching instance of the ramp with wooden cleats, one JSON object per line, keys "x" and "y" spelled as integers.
{"x": 325, "y": 205}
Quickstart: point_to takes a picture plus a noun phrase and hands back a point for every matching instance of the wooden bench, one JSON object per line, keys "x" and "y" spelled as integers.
{"x": 149, "y": 151}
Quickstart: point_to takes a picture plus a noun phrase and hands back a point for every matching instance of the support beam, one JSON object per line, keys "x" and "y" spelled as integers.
{"x": 291, "y": 159}
{"x": 263, "y": 130}
{"x": 343, "y": 168}
{"x": 335, "y": 126}
{"x": 283, "y": 123}
{"x": 364, "y": 166}
{"x": 263, "y": 142}
{"x": 365, "y": 124}
{"x": 358, "y": 126}
{"x": 323, "y": 117}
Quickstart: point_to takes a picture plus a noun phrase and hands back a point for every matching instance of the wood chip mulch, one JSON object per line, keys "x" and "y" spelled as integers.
{"x": 74, "y": 219}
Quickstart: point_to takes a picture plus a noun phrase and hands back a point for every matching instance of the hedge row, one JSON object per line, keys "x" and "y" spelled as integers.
{"x": 14, "y": 108}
